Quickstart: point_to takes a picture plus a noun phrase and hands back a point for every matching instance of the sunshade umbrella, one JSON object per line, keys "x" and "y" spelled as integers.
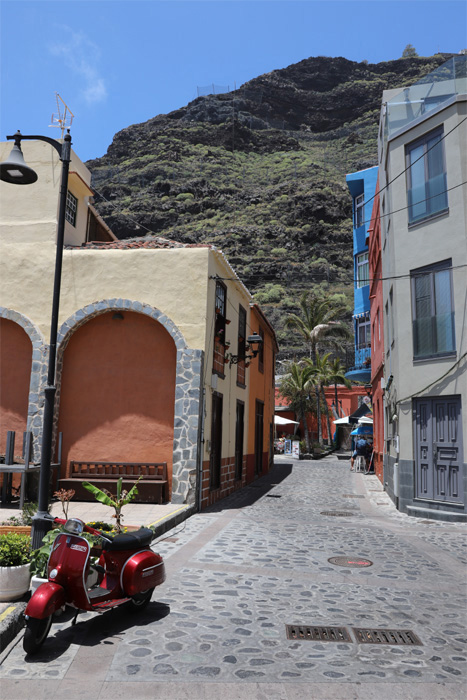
{"x": 278, "y": 420}
{"x": 363, "y": 430}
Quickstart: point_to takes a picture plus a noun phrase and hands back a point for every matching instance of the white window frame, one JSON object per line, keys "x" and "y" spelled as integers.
{"x": 362, "y": 261}
{"x": 71, "y": 208}
{"x": 359, "y": 210}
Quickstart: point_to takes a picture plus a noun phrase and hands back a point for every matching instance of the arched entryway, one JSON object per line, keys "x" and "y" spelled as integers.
{"x": 117, "y": 391}
{"x": 15, "y": 378}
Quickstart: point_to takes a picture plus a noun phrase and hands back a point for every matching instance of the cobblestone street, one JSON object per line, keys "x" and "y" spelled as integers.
{"x": 238, "y": 573}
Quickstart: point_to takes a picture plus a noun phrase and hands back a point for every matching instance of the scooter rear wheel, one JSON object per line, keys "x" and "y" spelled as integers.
{"x": 140, "y": 600}
{"x": 36, "y": 634}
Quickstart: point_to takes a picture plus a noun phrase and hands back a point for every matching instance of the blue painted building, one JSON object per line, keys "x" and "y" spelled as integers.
{"x": 362, "y": 187}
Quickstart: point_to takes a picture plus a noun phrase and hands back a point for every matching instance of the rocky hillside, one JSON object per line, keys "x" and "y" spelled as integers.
{"x": 259, "y": 172}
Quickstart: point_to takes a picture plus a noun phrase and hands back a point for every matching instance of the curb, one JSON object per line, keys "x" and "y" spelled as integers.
{"x": 171, "y": 521}
{"x": 11, "y": 622}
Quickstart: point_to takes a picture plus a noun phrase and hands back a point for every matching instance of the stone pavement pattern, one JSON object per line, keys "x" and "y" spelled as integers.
{"x": 238, "y": 573}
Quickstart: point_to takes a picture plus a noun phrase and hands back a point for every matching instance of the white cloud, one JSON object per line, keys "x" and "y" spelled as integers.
{"x": 81, "y": 56}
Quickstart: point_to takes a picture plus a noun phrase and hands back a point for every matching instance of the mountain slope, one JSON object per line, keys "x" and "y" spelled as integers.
{"x": 259, "y": 172}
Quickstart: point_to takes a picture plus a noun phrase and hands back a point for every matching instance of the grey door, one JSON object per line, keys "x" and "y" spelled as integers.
{"x": 438, "y": 444}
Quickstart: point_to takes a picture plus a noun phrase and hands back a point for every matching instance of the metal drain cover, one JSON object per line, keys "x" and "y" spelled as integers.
{"x": 352, "y": 495}
{"x": 350, "y": 562}
{"x": 386, "y": 636}
{"x": 318, "y": 634}
{"x": 273, "y": 495}
{"x": 338, "y": 513}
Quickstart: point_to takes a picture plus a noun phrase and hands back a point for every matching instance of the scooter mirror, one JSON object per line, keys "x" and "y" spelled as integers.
{"x": 74, "y": 525}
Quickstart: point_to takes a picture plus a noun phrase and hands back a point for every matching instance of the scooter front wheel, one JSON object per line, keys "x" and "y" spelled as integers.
{"x": 36, "y": 634}
{"x": 140, "y": 600}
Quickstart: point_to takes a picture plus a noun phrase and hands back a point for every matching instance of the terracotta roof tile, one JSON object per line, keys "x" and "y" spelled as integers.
{"x": 153, "y": 242}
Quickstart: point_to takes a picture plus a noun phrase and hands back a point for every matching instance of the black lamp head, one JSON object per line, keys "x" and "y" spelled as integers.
{"x": 255, "y": 338}
{"x": 14, "y": 170}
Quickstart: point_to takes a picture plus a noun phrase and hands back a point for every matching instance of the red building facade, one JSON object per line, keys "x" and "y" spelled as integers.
{"x": 377, "y": 333}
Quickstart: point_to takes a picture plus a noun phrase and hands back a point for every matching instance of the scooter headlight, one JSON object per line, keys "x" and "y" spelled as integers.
{"x": 74, "y": 525}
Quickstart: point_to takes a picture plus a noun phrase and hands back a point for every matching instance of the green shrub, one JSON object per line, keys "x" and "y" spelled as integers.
{"x": 184, "y": 197}
{"x": 15, "y": 549}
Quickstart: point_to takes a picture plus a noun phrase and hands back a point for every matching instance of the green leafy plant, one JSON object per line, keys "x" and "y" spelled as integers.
{"x": 15, "y": 549}
{"x": 117, "y": 502}
{"x": 40, "y": 557}
{"x": 105, "y": 527}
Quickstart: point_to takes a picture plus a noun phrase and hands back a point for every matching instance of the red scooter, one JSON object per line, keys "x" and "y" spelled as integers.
{"x": 127, "y": 573}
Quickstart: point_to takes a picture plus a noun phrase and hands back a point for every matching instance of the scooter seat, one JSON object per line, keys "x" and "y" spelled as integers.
{"x": 129, "y": 540}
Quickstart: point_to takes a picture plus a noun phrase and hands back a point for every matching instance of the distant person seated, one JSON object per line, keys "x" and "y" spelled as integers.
{"x": 361, "y": 450}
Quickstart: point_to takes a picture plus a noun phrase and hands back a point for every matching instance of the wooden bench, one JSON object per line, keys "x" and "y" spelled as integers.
{"x": 153, "y": 486}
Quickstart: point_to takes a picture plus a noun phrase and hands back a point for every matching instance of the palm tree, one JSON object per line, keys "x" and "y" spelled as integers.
{"x": 321, "y": 372}
{"x": 296, "y": 386}
{"x": 318, "y": 320}
{"x": 337, "y": 375}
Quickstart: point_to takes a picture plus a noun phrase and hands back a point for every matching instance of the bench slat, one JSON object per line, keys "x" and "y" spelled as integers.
{"x": 154, "y": 473}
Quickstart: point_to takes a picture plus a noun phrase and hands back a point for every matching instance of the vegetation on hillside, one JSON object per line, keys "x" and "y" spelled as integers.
{"x": 260, "y": 173}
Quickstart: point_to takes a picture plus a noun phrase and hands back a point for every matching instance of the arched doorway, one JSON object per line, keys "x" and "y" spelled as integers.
{"x": 117, "y": 391}
{"x": 15, "y": 378}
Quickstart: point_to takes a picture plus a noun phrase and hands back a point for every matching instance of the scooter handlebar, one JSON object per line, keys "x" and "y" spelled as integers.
{"x": 86, "y": 528}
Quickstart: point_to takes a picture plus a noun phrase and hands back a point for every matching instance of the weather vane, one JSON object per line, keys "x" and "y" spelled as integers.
{"x": 64, "y": 117}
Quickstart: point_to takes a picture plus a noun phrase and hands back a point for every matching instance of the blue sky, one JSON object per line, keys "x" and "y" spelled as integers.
{"x": 119, "y": 63}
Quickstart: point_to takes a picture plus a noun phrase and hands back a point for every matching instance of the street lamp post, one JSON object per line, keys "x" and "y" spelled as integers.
{"x": 15, "y": 171}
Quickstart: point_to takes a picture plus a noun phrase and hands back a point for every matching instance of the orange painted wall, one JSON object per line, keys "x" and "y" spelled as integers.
{"x": 118, "y": 392}
{"x": 348, "y": 402}
{"x": 15, "y": 376}
{"x": 261, "y": 386}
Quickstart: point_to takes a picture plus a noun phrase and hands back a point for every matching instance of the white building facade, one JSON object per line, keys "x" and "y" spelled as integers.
{"x": 422, "y": 151}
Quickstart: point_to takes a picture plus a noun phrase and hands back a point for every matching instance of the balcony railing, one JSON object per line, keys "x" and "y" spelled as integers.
{"x": 431, "y": 91}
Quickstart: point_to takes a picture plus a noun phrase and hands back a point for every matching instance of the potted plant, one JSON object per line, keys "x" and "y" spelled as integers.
{"x": 15, "y": 552}
{"x": 116, "y": 502}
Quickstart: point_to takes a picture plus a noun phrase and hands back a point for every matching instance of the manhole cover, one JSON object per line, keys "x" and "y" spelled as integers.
{"x": 337, "y": 513}
{"x": 318, "y": 634}
{"x": 386, "y": 636}
{"x": 351, "y": 562}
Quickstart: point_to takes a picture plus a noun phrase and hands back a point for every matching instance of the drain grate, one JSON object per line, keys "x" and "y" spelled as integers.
{"x": 338, "y": 513}
{"x": 318, "y": 634}
{"x": 350, "y": 562}
{"x": 385, "y": 636}
{"x": 273, "y": 495}
{"x": 352, "y": 495}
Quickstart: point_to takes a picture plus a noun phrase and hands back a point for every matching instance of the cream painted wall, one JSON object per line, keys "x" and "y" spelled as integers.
{"x": 406, "y": 249}
{"x": 34, "y": 207}
{"x": 174, "y": 281}
{"x": 236, "y": 294}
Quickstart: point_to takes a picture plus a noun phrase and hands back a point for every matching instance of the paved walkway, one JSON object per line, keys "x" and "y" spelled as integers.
{"x": 238, "y": 573}
{"x": 133, "y": 513}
